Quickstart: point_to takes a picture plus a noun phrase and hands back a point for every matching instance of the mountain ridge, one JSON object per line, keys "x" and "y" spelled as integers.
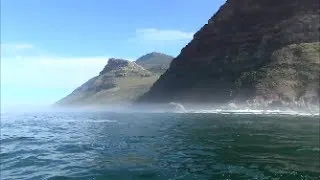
{"x": 120, "y": 82}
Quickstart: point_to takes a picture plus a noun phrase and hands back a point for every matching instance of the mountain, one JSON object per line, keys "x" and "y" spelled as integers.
{"x": 250, "y": 51}
{"x": 155, "y": 62}
{"x": 119, "y": 83}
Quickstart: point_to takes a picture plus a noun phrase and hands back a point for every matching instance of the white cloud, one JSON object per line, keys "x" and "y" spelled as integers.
{"x": 23, "y": 46}
{"x": 25, "y": 77}
{"x": 16, "y": 46}
{"x": 153, "y": 35}
{"x": 19, "y": 49}
{"x": 49, "y": 72}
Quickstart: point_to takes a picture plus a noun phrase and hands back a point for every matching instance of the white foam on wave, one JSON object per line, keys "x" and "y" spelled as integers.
{"x": 255, "y": 111}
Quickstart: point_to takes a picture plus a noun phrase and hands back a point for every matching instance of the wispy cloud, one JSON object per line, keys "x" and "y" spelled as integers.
{"x": 28, "y": 75}
{"x": 49, "y": 72}
{"x": 23, "y": 65}
{"x": 19, "y": 49}
{"x": 16, "y": 46}
{"x": 156, "y": 35}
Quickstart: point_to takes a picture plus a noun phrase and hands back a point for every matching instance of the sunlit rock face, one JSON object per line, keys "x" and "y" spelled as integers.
{"x": 115, "y": 64}
{"x": 250, "y": 48}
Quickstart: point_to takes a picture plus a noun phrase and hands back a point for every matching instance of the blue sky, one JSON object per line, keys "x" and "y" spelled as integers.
{"x": 49, "y": 47}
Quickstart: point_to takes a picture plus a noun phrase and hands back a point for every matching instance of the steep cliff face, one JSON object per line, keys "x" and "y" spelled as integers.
{"x": 249, "y": 48}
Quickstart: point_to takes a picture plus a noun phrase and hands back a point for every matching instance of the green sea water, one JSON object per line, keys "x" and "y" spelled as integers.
{"x": 101, "y": 145}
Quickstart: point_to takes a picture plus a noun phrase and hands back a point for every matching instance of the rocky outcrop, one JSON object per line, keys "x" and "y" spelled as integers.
{"x": 115, "y": 64}
{"x": 121, "y": 67}
{"x": 248, "y": 49}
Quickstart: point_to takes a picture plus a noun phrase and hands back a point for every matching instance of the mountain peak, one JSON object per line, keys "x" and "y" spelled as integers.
{"x": 154, "y": 54}
{"x": 155, "y": 61}
{"x": 120, "y": 81}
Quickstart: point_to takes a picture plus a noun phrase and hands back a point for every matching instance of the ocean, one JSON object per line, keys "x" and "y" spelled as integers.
{"x": 165, "y": 146}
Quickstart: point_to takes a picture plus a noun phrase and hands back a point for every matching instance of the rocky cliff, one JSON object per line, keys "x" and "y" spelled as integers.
{"x": 120, "y": 82}
{"x": 264, "y": 50}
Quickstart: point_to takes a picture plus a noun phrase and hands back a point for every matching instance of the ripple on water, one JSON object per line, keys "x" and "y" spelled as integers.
{"x": 158, "y": 146}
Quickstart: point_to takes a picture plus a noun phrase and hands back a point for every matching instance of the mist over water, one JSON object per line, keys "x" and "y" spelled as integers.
{"x": 97, "y": 144}
{"x": 174, "y": 107}
{"x": 171, "y": 107}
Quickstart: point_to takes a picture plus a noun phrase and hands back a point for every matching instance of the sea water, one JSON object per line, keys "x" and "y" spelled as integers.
{"x": 104, "y": 145}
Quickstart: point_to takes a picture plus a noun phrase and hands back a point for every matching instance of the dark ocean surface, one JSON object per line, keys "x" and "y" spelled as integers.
{"x": 101, "y": 145}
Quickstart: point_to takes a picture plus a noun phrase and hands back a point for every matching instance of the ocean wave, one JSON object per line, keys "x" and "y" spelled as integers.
{"x": 254, "y": 111}
{"x": 312, "y": 149}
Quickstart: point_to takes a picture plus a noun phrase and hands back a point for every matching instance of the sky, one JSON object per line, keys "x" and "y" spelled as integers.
{"x": 50, "y": 47}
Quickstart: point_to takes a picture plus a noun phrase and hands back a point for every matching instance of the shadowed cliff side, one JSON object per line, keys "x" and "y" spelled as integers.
{"x": 250, "y": 49}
